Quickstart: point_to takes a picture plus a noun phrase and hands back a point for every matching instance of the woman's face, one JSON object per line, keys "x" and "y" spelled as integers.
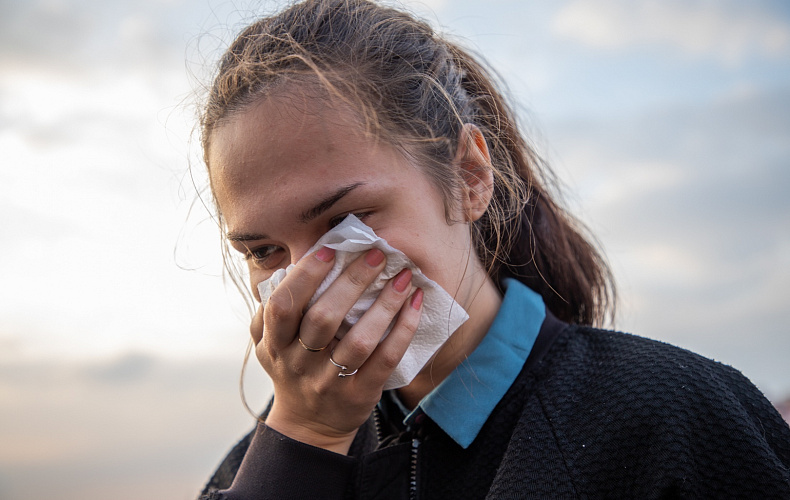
{"x": 290, "y": 167}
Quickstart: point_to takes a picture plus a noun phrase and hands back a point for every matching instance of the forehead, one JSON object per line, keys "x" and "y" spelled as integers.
{"x": 293, "y": 127}
{"x": 283, "y": 151}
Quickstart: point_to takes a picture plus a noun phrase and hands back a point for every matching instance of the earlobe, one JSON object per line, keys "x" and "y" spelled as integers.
{"x": 474, "y": 160}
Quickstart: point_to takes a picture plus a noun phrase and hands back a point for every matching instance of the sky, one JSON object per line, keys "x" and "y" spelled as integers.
{"x": 667, "y": 122}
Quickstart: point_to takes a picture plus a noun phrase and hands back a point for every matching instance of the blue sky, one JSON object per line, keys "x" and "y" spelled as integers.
{"x": 668, "y": 123}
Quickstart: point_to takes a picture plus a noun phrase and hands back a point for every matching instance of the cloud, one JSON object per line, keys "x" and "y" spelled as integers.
{"x": 714, "y": 174}
{"x": 72, "y": 36}
{"x": 727, "y": 31}
{"x": 690, "y": 203}
{"x": 52, "y": 30}
{"x": 130, "y": 367}
{"x": 121, "y": 427}
{"x": 425, "y": 6}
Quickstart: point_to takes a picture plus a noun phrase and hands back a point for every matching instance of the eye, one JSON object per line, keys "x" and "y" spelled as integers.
{"x": 334, "y": 221}
{"x": 262, "y": 255}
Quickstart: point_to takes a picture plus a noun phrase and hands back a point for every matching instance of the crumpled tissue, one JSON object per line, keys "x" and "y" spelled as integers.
{"x": 441, "y": 315}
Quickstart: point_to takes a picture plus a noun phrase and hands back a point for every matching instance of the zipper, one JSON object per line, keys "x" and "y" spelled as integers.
{"x": 377, "y": 423}
{"x": 415, "y": 444}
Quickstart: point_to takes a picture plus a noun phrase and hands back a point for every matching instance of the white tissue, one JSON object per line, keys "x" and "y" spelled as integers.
{"x": 441, "y": 315}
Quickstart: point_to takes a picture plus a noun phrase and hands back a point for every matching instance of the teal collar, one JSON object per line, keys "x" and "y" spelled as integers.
{"x": 462, "y": 403}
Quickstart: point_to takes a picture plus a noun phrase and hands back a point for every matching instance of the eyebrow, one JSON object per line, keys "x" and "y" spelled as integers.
{"x": 245, "y": 236}
{"x": 306, "y": 216}
{"x": 325, "y": 204}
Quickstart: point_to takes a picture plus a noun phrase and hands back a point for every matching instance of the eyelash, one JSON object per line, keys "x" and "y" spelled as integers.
{"x": 334, "y": 221}
{"x": 269, "y": 250}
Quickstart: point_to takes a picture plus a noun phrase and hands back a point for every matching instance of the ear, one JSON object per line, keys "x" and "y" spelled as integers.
{"x": 474, "y": 161}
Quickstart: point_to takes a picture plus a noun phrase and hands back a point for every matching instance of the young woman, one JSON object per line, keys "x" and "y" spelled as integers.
{"x": 338, "y": 107}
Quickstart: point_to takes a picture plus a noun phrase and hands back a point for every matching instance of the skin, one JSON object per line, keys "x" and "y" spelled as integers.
{"x": 286, "y": 169}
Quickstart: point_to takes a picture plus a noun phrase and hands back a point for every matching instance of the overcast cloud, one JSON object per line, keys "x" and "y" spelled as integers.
{"x": 668, "y": 122}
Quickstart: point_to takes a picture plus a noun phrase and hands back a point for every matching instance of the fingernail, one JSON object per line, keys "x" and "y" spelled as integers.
{"x": 374, "y": 257}
{"x": 402, "y": 280}
{"x": 325, "y": 254}
{"x": 416, "y": 299}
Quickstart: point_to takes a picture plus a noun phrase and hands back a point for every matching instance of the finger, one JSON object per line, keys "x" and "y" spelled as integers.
{"x": 358, "y": 344}
{"x": 322, "y": 321}
{"x": 256, "y": 326}
{"x": 283, "y": 311}
{"x": 385, "y": 358}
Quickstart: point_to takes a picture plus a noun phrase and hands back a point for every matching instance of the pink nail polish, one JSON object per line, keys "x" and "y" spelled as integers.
{"x": 325, "y": 254}
{"x": 402, "y": 280}
{"x": 416, "y": 299}
{"x": 374, "y": 257}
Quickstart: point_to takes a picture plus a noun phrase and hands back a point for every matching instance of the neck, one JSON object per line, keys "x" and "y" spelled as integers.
{"x": 482, "y": 304}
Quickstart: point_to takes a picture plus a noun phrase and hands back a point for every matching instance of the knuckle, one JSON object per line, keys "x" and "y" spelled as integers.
{"x": 322, "y": 387}
{"x": 389, "y": 360}
{"x": 321, "y": 316}
{"x": 278, "y": 308}
{"x": 298, "y": 368}
{"x": 357, "y": 279}
{"x": 264, "y": 348}
{"x": 266, "y": 356}
{"x": 311, "y": 274}
{"x": 256, "y": 331}
{"x": 356, "y": 348}
{"x": 392, "y": 306}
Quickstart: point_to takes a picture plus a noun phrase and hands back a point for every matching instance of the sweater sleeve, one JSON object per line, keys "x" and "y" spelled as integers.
{"x": 276, "y": 466}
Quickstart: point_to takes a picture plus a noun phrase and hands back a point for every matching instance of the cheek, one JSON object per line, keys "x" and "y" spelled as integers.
{"x": 258, "y": 275}
{"x": 438, "y": 261}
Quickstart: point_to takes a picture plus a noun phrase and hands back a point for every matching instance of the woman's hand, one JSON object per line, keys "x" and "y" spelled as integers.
{"x": 312, "y": 403}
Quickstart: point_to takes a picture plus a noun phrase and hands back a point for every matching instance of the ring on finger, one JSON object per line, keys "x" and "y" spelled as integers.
{"x": 308, "y": 348}
{"x": 343, "y": 368}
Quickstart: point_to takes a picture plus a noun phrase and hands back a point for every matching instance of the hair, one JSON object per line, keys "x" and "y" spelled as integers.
{"x": 416, "y": 90}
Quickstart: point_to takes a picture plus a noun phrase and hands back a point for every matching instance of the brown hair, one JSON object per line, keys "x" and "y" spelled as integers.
{"x": 417, "y": 90}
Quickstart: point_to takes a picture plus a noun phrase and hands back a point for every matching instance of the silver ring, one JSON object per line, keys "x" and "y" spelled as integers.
{"x": 343, "y": 368}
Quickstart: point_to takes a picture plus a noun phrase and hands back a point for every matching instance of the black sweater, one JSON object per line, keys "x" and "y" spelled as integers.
{"x": 593, "y": 414}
